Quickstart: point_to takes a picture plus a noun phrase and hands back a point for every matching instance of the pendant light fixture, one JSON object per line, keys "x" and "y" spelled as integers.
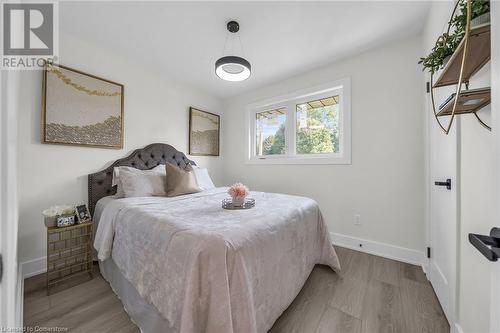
{"x": 233, "y": 68}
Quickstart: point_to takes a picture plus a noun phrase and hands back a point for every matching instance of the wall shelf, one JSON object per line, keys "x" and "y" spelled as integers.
{"x": 473, "y": 52}
{"x": 469, "y": 101}
{"x": 478, "y": 54}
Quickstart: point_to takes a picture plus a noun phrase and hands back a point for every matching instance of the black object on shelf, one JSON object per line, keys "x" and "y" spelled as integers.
{"x": 452, "y": 96}
{"x": 489, "y": 246}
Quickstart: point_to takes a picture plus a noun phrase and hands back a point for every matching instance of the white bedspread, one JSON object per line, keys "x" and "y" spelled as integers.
{"x": 207, "y": 269}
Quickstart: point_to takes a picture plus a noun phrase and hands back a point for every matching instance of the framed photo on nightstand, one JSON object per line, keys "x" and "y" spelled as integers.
{"x": 82, "y": 214}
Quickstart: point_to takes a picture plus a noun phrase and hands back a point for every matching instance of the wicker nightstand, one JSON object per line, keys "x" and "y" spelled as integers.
{"x": 69, "y": 252}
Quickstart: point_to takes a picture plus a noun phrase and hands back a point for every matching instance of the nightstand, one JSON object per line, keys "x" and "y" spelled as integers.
{"x": 69, "y": 253}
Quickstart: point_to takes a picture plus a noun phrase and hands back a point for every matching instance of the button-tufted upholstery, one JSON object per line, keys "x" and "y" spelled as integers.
{"x": 144, "y": 159}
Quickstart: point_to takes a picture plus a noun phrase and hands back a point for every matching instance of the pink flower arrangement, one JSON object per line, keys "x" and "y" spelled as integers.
{"x": 238, "y": 191}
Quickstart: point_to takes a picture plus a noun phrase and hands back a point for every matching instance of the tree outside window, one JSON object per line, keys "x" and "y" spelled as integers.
{"x": 270, "y": 132}
{"x": 317, "y": 129}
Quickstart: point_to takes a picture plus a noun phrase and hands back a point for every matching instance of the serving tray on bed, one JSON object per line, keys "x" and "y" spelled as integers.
{"x": 228, "y": 204}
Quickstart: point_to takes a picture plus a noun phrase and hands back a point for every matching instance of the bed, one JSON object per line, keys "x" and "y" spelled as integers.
{"x": 184, "y": 264}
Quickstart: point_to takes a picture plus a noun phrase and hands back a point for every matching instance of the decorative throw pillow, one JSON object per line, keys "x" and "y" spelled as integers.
{"x": 143, "y": 184}
{"x": 180, "y": 181}
{"x": 117, "y": 181}
{"x": 203, "y": 178}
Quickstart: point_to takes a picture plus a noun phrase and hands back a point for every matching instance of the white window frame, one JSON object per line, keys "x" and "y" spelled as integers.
{"x": 340, "y": 87}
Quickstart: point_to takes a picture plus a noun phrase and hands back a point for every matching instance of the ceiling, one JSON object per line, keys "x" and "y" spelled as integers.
{"x": 280, "y": 39}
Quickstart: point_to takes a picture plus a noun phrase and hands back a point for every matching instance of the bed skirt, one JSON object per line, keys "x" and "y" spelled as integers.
{"x": 144, "y": 315}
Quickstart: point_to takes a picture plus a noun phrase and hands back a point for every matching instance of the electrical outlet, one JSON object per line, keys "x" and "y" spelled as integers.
{"x": 357, "y": 219}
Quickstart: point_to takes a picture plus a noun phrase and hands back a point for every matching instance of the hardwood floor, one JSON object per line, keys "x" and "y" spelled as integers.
{"x": 373, "y": 294}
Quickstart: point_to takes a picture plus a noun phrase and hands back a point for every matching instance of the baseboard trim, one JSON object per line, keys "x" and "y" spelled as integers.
{"x": 38, "y": 266}
{"x": 380, "y": 249}
{"x": 425, "y": 266}
{"x": 458, "y": 329}
{"x": 20, "y": 297}
{"x": 34, "y": 267}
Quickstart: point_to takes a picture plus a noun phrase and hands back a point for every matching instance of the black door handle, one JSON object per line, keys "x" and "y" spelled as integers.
{"x": 447, "y": 183}
{"x": 489, "y": 246}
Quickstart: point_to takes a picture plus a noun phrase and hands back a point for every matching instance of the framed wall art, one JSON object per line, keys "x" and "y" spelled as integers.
{"x": 81, "y": 109}
{"x": 204, "y": 133}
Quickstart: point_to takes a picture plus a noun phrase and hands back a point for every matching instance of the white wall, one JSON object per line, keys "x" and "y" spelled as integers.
{"x": 476, "y": 193}
{"x": 385, "y": 182}
{"x": 156, "y": 110}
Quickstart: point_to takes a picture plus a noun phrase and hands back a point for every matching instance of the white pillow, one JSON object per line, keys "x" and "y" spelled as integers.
{"x": 148, "y": 183}
{"x": 203, "y": 178}
{"x": 116, "y": 176}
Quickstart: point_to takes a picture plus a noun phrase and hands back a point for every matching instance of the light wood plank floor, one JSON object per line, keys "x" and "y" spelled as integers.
{"x": 373, "y": 294}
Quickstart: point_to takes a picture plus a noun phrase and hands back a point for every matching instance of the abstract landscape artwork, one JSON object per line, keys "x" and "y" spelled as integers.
{"x": 81, "y": 109}
{"x": 204, "y": 130}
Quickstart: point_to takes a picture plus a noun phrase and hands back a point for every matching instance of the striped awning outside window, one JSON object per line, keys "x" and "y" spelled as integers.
{"x": 319, "y": 103}
{"x": 270, "y": 113}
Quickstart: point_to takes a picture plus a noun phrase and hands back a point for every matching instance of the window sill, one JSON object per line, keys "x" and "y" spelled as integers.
{"x": 344, "y": 160}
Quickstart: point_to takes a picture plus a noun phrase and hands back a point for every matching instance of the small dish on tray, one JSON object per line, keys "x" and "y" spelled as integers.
{"x": 228, "y": 204}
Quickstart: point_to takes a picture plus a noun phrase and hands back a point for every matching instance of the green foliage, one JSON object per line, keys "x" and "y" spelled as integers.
{"x": 334, "y": 136}
{"x": 323, "y": 115}
{"x": 445, "y": 46}
{"x": 320, "y": 136}
{"x": 278, "y": 145}
{"x": 267, "y": 144}
{"x": 313, "y": 141}
{"x": 447, "y": 43}
{"x": 478, "y": 8}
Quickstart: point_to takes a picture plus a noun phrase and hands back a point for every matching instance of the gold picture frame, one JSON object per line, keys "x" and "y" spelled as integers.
{"x": 81, "y": 109}
{"x": 82, "y": 214}
{"x": 204, "y": 133}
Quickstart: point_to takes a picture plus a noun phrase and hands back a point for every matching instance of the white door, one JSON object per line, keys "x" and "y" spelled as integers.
{"x": 10, "y": 298}
{"x": 495, "y": 112}
{"x": 443, "y": 209}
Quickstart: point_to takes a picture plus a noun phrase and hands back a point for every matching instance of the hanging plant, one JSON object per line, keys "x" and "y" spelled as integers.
{"x": 478, "y": 8}
{"x": 447, "y": 43}
{"x": 445, "y": 46}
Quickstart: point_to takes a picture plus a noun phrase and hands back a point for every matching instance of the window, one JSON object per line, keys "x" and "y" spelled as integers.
{"x": 307, "y": 127}
{"x": 317, "y": 130}
{"x": 270, "y": 132}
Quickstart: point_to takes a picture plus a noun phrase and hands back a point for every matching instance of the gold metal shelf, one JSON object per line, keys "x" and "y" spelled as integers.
{"x": 473, "y": 52}
{"x": 478, "y": 54}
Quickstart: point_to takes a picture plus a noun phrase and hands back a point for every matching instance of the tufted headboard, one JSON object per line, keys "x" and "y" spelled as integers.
{"x": 143, "y": 158}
